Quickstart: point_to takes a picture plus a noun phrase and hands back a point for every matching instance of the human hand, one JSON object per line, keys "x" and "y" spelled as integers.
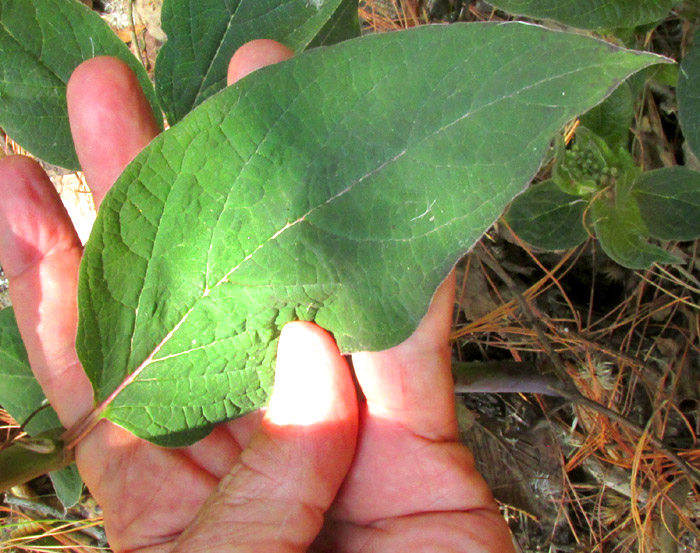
{"x": 319, "y": 470}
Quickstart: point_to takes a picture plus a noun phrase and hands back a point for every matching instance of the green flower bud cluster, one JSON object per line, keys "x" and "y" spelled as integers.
{"x": 587, "y": 167}
{"x": 586, "y": 164}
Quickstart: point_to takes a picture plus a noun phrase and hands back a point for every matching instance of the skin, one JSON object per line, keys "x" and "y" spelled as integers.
{"x": 320, "y": 470}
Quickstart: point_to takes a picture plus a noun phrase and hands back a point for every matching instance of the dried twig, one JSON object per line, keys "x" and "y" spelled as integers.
{"x": 44, "y": 510}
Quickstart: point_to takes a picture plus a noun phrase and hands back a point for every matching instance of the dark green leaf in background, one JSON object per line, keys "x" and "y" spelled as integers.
{"x": 41, "y": 43}
{"x": 590, "y": 14}
{"x": 340, "y": 186}
{"x": 21, "y": 395}
{"x": 621, "y": 230}
{"x": 204, "y": 34}
{"x": 612, "y": 119}
{"x": 548, "y": 218}
{"x": 343, "y": 25}
{"x": 68, "y": 485}
{"x": 688, "y": 93}
{"x": 669, "y": 202}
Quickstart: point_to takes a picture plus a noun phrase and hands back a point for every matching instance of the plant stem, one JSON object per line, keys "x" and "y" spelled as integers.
{"x": 19, "y": 464}
{"x": 134, "y": 37}
{"x": 80, "y": 429}
{"x": 567, "y": 389}
{"x": 502, "y": 377}
{"x": 557, "y": 363}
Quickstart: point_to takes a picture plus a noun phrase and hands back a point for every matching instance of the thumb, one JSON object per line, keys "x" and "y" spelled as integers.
{"x": 275, "y": 496}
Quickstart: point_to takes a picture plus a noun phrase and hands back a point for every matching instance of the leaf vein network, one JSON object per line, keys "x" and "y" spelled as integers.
{"x": 339, "y": 194}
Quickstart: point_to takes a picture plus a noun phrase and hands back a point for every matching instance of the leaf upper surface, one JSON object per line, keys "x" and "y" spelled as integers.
{"x": 612, "y": 119}
{"x": 688, "y": 92}
{"x": 669, "y": 202}
{"x": 340, "y": 186}
{"x": 204, "y": 34}
{"x": 548, "y": 218}
{"x": 20, "y": 393}
{"x": 622, "y": 231}
{"x": 591, "y": 14}
{"x": 68, "y": 485}
{"x": 41, "y": 43}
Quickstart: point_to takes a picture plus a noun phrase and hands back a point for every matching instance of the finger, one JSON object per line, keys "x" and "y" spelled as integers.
{"x": 254, "y": 55}
{"x": 110, "y": 119}
{"x": 275, "y": 496}
{"x": 40, "y": 254}
{"x": 411, "y": 384}
{"x": 409, "y": 416}
{"x": 478, "y": 531}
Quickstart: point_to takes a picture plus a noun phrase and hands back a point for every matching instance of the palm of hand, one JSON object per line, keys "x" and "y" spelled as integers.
{"x": 382, "y": 474}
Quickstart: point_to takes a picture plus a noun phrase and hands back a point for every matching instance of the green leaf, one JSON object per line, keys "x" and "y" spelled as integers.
{"x": 343, "y": 25}
{"x": 68, "y": 485}
{"x": 590, "y": 14}
{"x": 669, "y": 202}
{"x": 612, "y": 119}
{"x": 666, "y": 75}
{"x": 21, "y": 396}
{"x": 204, "y": 34}
{"x": 340, "y": 186}
{"x": 548, "y": 218}
{"x": 41, "y": 43}
{"x": 688, "y": 93}
{"x": 621, "y": 230}
{"x": 20, "y": 393}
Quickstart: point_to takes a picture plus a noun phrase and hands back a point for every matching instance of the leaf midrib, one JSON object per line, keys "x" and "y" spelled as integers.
{"x": 216, "y": 54}
{"x": 667, "y": 198}
{"x": 221, "y": 44}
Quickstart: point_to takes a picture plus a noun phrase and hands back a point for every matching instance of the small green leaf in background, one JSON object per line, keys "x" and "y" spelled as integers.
{"x": 204, "y": 34}
{"x": 343, "y": 25}
{"x": 688, "y": 93}
{"x": 621, "y": 230}
{"x": 548, "y": 218}
{"x": 669, "y": 202}
{"x": 21, "y": 395}
{"x": 339, "y": 186}
{"x": 612, "y": 119}
{"x": 68, "y": 485}
{"x": 41, "y": 43}
{"x": 590, "y": 14}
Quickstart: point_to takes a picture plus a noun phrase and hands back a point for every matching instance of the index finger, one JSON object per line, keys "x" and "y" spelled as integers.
{"x": 110, "y": 118}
